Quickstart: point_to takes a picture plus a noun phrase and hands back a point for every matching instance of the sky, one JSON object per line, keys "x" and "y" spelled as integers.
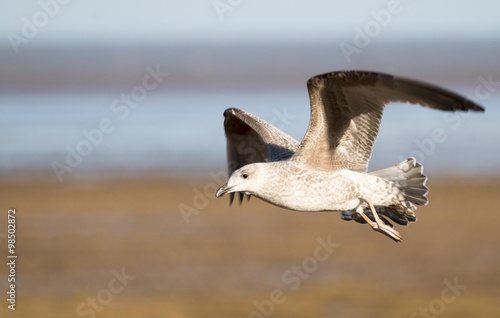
{"x": 196, "y": 23}
{"x": 244, "y": 21}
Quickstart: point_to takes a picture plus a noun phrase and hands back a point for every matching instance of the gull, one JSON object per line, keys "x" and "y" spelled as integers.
{"x": 328, "y": 170}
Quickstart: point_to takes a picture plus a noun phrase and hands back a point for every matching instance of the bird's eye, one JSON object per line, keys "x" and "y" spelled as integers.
{"x": 244, "y": 176}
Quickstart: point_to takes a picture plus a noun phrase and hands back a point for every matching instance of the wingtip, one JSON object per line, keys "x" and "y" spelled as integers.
{"x": 231, "y": 111}
{"x": 468, "y": 105}
{"x": 480, "y": 109}
{"x": 240, "y": 198}
{"x": 228, "y": 112}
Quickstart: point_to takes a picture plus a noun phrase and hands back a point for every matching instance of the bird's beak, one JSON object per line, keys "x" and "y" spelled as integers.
{"x": 222, "y": 190}
{"x": 227, "y": 189}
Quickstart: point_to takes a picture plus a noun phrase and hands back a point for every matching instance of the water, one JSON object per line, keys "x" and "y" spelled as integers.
{"x": 182, "y": 130}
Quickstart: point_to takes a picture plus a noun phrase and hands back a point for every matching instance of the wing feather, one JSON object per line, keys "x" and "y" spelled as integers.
{"x": 251, "y": 139}
{"x": 346, "y": 109}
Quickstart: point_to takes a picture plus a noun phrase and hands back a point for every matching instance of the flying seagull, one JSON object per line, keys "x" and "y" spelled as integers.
{"x": 327, "y": 171}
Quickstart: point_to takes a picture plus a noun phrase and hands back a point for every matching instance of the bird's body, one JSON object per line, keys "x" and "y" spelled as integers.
{"x": 317, "y": 190}
{"x": 328, "y": 170}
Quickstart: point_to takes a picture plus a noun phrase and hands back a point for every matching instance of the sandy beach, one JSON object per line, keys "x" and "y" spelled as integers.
{"x": 167, "y": 248}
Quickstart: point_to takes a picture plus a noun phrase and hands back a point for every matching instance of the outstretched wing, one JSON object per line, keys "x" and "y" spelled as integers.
{"x": 346, "y": 109}
{"x": 251, "y": 139}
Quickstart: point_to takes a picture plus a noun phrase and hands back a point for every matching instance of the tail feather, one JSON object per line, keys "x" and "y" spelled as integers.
{"x": 410, "y": 179}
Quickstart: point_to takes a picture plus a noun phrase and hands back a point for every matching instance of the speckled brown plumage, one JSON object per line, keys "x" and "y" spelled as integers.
{"x": 327, "y": 171}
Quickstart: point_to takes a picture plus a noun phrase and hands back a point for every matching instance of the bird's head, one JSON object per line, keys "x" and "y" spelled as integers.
{"x": 248, "y": 179}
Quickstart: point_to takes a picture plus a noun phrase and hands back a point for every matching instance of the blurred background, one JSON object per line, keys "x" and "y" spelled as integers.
{"x": 111, "y": 146}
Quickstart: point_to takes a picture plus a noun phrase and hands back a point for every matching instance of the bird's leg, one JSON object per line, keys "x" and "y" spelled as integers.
{"x": 378, "y": 225}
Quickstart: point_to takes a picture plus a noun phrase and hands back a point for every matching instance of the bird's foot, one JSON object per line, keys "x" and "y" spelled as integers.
{"x": 378, "y": 225}
{"x": 388, "y": 231}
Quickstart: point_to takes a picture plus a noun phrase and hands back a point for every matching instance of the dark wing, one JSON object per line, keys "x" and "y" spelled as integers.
{"x": 250, "y": 139}
{"x": 346, "y": 109}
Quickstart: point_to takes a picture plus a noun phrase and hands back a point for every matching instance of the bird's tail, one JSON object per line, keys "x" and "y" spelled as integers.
{"x": 410, "y": 179}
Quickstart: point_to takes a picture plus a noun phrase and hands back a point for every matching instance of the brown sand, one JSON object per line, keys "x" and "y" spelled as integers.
{"x": 70, "y": 238}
